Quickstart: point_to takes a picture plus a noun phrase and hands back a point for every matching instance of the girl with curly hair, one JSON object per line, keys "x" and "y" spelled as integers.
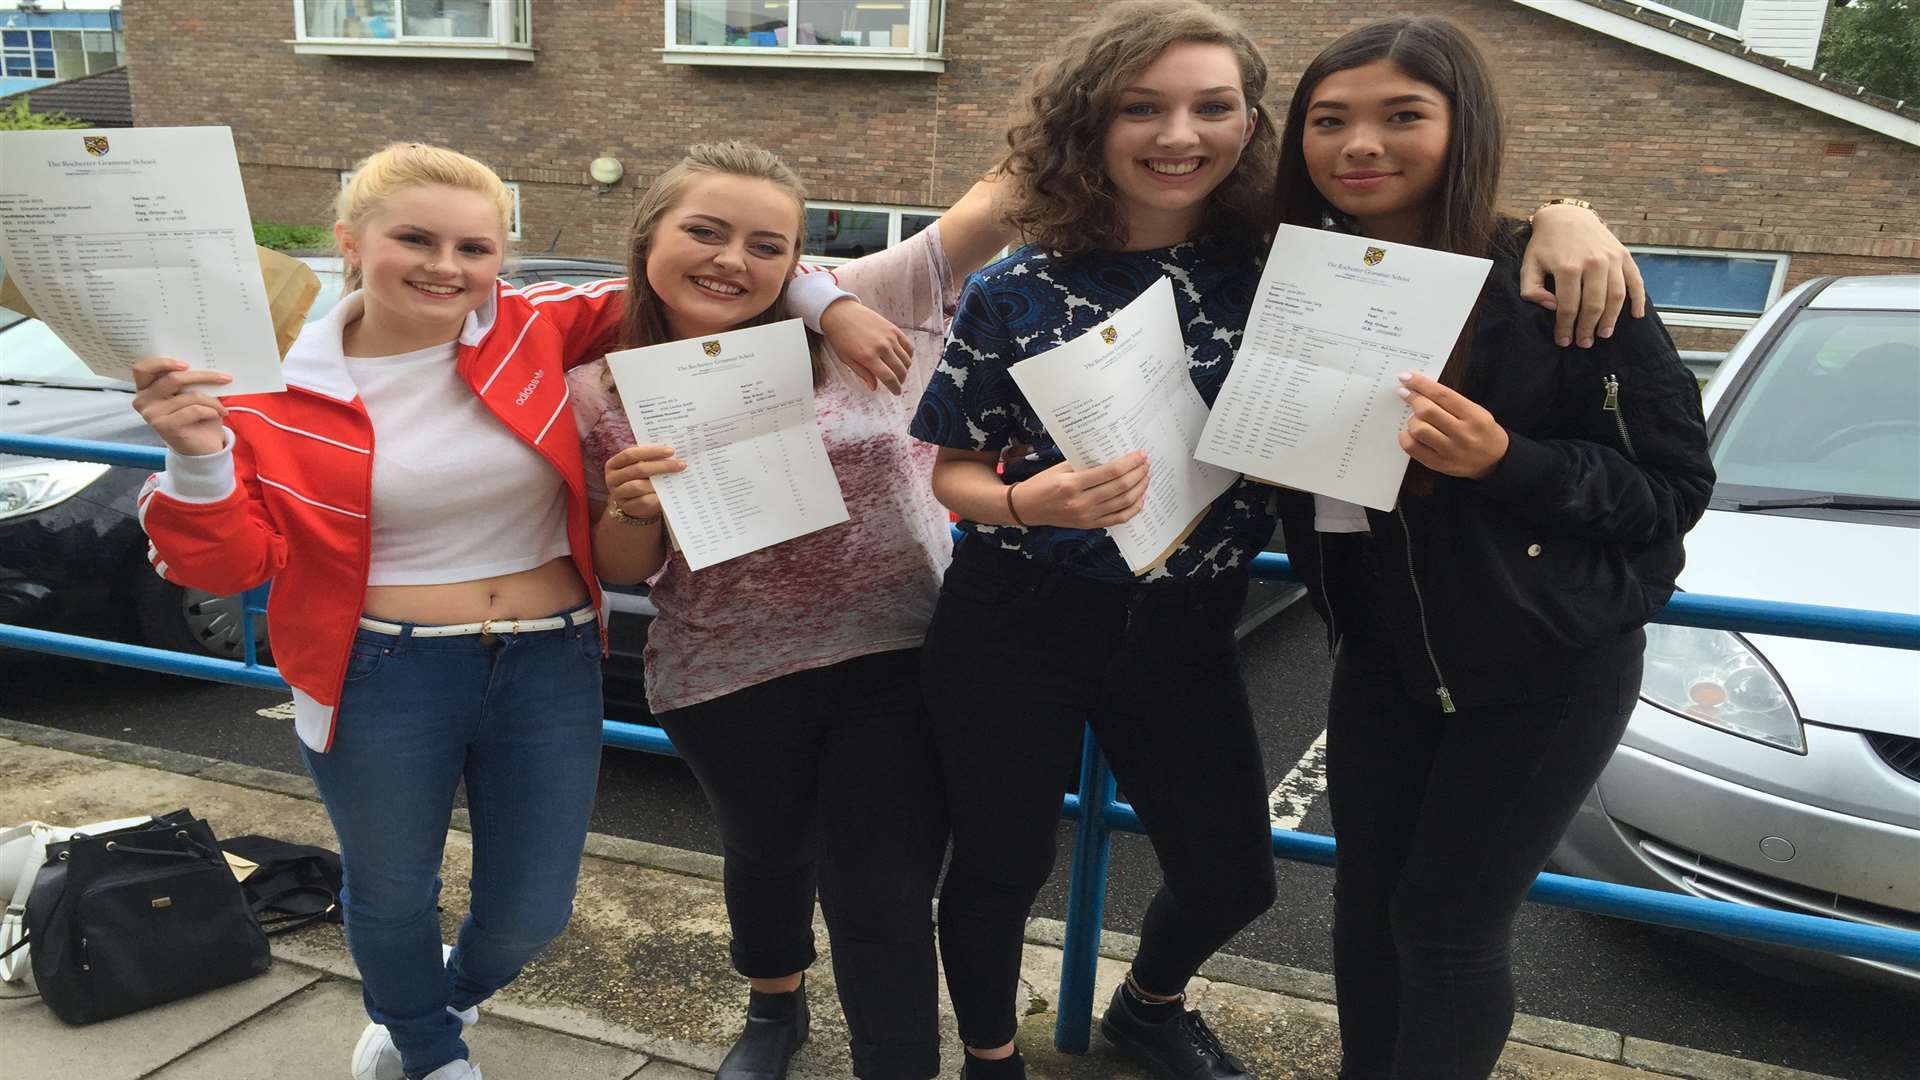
{"x": 1142, "y": 151}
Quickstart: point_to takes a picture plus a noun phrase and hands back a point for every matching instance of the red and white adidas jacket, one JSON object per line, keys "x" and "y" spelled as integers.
{"x": 290, "y": 501}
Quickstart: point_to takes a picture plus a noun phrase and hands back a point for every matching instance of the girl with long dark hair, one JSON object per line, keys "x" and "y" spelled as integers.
{"x": 1488, "y": 629}
{"x": 1141, "y": 150}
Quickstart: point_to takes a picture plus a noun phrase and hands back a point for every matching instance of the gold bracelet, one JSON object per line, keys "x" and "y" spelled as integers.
{"x": 624, "y": 518}
{"x": 1567, "y": 201}
{"x": 1015, "y": 514}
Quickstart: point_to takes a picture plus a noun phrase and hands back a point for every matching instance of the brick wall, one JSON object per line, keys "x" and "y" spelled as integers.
{"x": 1672, "y": 155}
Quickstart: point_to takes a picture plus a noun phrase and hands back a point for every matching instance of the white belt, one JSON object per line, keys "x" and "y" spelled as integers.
{"x": 578, "y": 617}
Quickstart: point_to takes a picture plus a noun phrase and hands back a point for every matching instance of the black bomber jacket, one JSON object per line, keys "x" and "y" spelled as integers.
{"x": 1493, "y": 590}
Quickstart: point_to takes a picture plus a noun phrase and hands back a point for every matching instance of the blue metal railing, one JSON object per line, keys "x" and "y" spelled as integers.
{"x": 1093, "y": 831}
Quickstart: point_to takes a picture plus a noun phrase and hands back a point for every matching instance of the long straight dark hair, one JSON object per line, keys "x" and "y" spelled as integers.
{"x": 1461, "y": 217}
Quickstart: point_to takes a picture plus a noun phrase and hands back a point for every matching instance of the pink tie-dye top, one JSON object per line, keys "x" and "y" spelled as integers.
{"x": 865, "y": 586}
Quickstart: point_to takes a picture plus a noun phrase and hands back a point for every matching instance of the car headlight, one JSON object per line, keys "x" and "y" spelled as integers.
{"x": 1715, "y": 678}
{"x": 36, "y": 485}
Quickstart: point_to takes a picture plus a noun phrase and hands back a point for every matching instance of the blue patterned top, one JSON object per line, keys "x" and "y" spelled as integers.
{"x": 1030, "y": 302}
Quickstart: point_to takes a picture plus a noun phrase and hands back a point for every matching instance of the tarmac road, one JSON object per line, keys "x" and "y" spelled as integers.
{"x": 1569, "y": 966}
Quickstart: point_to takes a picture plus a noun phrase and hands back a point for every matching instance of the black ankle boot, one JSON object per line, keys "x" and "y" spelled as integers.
{"x": 1012, "y": 1067}
{"x": 1171, "y": 1044}
{"x": 776, "y": 1026}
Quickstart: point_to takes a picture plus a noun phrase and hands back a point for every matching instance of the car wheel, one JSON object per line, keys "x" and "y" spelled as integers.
{"x": 192, "y": 621}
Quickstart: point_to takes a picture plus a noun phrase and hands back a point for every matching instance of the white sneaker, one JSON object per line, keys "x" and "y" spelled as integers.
{"x": 455, "y": 1070}
{"x": 376, "y": 1058}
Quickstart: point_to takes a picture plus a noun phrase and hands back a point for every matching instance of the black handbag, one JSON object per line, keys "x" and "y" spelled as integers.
{"x": 291, "y": 885}
{"x": 137, "y": 917}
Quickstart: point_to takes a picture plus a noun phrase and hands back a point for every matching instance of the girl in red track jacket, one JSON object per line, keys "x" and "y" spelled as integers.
{"x": 416, "y": 495}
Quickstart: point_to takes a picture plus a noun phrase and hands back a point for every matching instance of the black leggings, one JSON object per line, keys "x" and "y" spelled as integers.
{"x": 1019, "y": 656}
{"x": 831, "y": 769}
{"x": 1443, "y": 821}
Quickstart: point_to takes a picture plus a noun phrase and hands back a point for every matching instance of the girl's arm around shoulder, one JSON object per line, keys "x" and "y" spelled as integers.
{"x": 587, "y": 317}
{"x": 878, "y": 311}
{"x": 1645, "y": 475}
{"x": 971, "y": 401}
{"x": 911, "y": 283}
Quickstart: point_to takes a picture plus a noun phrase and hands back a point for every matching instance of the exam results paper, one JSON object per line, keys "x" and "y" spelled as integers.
{"x": 1124, "y": 386}
{"x": 738, "y": 409}
{"x": 133, "y": 242}
{"x": 1310, "y": 402}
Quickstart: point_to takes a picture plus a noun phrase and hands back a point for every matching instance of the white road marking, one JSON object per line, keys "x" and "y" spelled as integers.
{"x": 282, "y": 711}
{"x": 1294, "y": 796}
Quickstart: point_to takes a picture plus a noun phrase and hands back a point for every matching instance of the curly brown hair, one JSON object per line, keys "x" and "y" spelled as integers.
{"x": 1066, "y": 202}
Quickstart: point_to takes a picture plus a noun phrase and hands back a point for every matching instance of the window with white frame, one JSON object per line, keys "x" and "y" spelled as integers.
{"x": 59, "y": 53}
{"x": 1711, "y": 288}
{"x": 457, "y": 29}
{"x": 513, "y": 223}
{"x": 901, "y": 35}
{"x": 1718, "y": 15}
{"x": 838, "y": 232}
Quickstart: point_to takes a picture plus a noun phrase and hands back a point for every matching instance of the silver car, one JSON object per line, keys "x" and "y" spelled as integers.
{"x": 1771, "y": 771}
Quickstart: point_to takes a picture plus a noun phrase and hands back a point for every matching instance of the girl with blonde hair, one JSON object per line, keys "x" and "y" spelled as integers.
{"x": 416, "y": 497}
{"x": 789, "y": 677}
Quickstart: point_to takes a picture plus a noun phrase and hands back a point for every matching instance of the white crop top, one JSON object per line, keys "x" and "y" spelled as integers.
{"x": 456, "y": 495}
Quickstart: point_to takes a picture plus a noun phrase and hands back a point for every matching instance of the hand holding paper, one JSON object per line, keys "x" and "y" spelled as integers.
{"x": 1310, "y": 401}
{"x": 738, "y": 409}
{"x": 1124, "y": 387}
{"x": 1448, "y": 432}
{"x": 178, "y": 403}
{"x": 630, "y": 475}
{"x": 1097, "y": 498}
{"x": 132, "y": 242}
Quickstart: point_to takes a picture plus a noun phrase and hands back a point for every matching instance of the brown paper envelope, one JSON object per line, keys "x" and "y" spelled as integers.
{"x": 242, "y": 868}
{"x": 291, "y": 288}
{"x": 1177, "y": 541}
{"x": 10, "y": 297}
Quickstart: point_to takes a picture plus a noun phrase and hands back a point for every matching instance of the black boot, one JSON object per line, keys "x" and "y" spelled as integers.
{"x": 1012, "y": 1067}
{"x": 776, "y": 1026}
{"x": 1175, "y": 1045}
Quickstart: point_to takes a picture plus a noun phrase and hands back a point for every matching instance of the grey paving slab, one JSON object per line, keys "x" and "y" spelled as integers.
{"x": 1684, "y": 1061}
{"x": 35, "y": 1045}
{"x": 640, "y": 987}
{"x": 1560, "y": 1035}
{"x": 667, "y": 1070}
{"x": 312, "y": 1034}
{"x": 298, "y": 785}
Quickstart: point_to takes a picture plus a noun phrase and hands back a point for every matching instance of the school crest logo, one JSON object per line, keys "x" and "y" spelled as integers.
{"x": 96, "y": 144}
{"x": 1374, "y": 255}
{"x": 1109, "y": 335}
{"x": 712, "y": 347}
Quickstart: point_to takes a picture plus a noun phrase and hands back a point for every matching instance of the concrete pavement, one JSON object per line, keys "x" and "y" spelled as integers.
{"x": 638, "y": 988}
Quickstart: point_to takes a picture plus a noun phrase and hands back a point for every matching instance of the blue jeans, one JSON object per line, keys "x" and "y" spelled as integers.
{"x": 518, "y": 718}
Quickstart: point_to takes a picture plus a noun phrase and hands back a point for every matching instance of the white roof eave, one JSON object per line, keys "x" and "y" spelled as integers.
{"x": 1746, "y": 72}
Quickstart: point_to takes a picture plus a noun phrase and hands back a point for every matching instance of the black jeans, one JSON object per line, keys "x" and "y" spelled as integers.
{"x": 1443, "y": 821}
{"x": 1019, "y": 656}
{"x": 830, "y": 770}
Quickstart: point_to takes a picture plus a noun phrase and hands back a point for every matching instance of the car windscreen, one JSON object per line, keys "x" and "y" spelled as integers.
{"x": 30, "y": 351}
{"x": 1834, "y": 408}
